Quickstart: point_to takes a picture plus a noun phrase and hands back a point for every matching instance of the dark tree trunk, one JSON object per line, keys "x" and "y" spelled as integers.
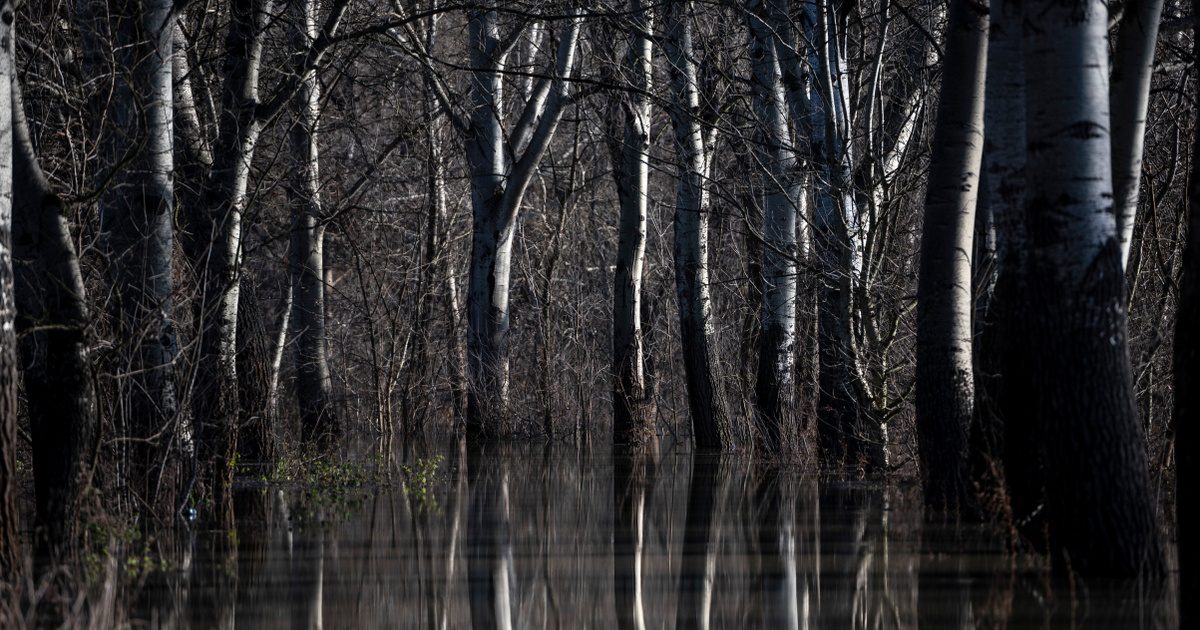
{"x": 1005, "y": 428}
{"x": 52, "y": 321}
{"x": 135, "y": 165}
{"x": 256, "y": 437}
{"x": 1100, "y": 512}
{"x": 1187, "y": 387}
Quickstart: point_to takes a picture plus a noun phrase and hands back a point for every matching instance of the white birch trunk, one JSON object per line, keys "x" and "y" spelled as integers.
{"x": 711, "y": 424}
{"x": 633, "y": 420}
{"x": 1098, "y": 499}
{"x": 1129, "y": 99}
{"x": 12, "y": 564}
{"x": 848, "y": 432}
{"x": 497, "y": 191}
{"x": 945, "y": 384}
{"x": 306, "y": 266}
{"x": 775, "y": 156}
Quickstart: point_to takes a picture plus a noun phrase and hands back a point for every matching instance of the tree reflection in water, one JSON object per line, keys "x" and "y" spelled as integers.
{"x": 515, "y": 537}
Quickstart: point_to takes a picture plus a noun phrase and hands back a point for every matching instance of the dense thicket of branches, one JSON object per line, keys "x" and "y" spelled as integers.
{"x": 796, "y": 229}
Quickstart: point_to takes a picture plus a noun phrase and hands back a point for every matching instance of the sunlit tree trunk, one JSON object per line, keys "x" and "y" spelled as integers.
{"x": 712, "y": 425}
{"x": 306, "y": 266}
{"x": 11, "y": 564}
{"x": 52, "y": 321}
{"x": 945, "y": 384}
{"x": 776, "y": 158}
{"x": 1101, "y": 516}
{"x": 849, "y": 433}
{"x": 1129, "y": 99}
{"x": 633, "y": 410}
{"x": 497, "y": 190}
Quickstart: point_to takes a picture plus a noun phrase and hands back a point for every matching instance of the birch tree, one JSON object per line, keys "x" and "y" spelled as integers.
{"x": 306, "y": 266}
{"x": 214, "y": 224}
{"x": 945, "y": 384}
{"x": 848, "y": 431}
{"x": 633, "y": 410}
{"x": 11, "y": 562}
{"x": 498, "y": 185}
{"x": 1129, "y": 101}
{"x": 776, "y": 158}
{"x": 134, "y": 170}
{"x": 1100, "y": 515}
{"x": 712, "y": 425}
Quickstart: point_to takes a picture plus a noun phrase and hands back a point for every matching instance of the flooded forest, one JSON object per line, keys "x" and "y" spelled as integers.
{"x": 869, "y": 314}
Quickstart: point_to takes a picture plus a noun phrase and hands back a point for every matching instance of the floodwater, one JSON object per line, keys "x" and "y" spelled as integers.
{"x": 560, "y": 538}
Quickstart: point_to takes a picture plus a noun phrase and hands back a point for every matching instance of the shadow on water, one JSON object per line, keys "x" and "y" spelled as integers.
{"x": 528, "y": 537}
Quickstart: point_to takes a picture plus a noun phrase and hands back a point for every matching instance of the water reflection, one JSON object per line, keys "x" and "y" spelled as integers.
{"x": 545, "y": 538}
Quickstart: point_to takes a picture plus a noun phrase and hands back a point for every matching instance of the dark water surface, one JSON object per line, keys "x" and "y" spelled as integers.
{"x": 559, "y": 538}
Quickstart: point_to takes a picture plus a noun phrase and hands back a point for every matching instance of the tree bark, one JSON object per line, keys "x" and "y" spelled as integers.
{"x": 633, "y": 409}
{"x": 1129, "y": 99}
{"x": 256, "y": 434}
{"x": 712, "y": 426}
{"x": 213, "y": 248}
{"x": 945, "y": 387}
{"x": 12, "y": 565}
{"x": 135, "y": 169}
{"x": 775, "y": 156}
{"x": 497, "y": 190}
{"x": 1100, "y": 514}
{"x": 52, "y": 321}
{"x": 1004, "y": 427}
{"x": 318, "y": 421}
{"x": 849, "y": 434}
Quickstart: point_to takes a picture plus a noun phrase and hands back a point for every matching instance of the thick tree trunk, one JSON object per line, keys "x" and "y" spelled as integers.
{"x": 135, "y": 168}
{"x": 52, "y": 321}
{"x": 775, "y": 156}
{"x": 1100, "y": 513}
{"x": 712, "y": 425}
{"x": 12, "y": 567}
{"x": 1129, "y": 99}
{"x": 318, "y": 422}
{"x": 497, "y": 190}
{"x": 945, "y": 384}
{"x": 1187, "y": 384}
{"x": 633, "y": 409}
